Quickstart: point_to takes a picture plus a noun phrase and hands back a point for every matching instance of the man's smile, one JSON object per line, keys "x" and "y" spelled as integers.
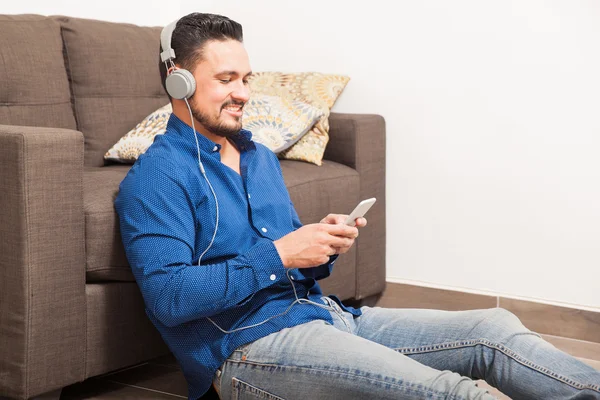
{"x": 234, "y": 109}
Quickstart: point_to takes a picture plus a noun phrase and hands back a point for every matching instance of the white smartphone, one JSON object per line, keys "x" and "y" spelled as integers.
{"x": 360, "y": 210}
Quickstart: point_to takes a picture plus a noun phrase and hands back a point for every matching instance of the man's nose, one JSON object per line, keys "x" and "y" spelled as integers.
{"x": 241, "y": 92}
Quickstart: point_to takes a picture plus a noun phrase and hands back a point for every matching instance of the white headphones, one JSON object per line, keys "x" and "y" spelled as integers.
{"x": 180, "y": 83}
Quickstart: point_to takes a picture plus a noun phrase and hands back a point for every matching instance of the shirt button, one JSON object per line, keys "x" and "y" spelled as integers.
{"x": 273, "y": 277}
{"x": 264, "y": 230}
{"x": 249, "y": 195}
{"x": 215, "y": 148}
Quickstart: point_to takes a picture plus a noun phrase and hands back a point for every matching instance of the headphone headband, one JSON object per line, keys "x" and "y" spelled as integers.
{"x": 180, "y": 83}
{"x": 165, "y": 41}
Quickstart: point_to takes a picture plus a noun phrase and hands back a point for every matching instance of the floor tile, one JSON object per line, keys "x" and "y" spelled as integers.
{"x": 592, "y": 363}
{"x": 162, "y": 378}
{"x": 575, "y": 347}
{"x": 555, "y": 320}
{"x": 168, "y": 360}
{"x": 96, "y": 389}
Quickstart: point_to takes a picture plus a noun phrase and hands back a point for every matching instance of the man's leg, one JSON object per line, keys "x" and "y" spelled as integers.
{"x": 320, "y": 361}
{"x": 482, "y": 344}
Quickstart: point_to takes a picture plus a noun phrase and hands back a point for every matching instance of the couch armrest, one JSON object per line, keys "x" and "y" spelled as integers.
{"x": 42, "y": 260}
{"x": 358, "y": 140}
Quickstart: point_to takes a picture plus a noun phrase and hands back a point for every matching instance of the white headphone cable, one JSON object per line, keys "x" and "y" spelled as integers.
{"x": 207, "y": 181}
{"x": 298, "y": 300}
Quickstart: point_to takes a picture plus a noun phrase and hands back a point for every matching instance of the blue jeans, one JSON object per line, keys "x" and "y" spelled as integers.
{"x": 405, "y": 354}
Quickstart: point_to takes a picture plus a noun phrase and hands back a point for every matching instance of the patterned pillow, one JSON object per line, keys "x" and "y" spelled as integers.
{"x": 137, "y": 140}
{"x": 316, "y": 89}
{"x": 276, "y": 122}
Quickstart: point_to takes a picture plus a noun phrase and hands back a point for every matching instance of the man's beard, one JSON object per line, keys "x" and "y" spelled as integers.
{"x": 216, "y": 126}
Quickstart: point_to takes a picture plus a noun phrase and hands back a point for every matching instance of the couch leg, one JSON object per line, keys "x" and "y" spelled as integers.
{"x": 53, "y": 395}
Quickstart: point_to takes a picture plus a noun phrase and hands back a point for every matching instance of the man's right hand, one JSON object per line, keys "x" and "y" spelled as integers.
{"x": 311, "y": 245}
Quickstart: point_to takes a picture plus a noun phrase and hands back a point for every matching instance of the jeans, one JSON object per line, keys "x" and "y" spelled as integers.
{"x": 405, "y": 354}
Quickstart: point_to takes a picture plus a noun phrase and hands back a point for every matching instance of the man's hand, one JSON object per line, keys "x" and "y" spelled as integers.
{"x": 340, "y": 219}
{"x": 311, "y": 245}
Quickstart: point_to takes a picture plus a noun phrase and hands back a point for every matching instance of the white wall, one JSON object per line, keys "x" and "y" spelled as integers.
{"x": 493, "y": 172}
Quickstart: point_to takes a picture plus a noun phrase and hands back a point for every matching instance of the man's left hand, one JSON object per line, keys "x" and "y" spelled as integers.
{"x": 334, "y": 219}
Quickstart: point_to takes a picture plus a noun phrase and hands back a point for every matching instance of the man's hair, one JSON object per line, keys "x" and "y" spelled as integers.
{"x": 190, "y": 35}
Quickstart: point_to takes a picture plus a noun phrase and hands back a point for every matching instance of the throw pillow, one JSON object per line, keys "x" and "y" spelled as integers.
{"x": 276, "y": 122}
{"x": 317, "y": 89}
{"x": 137, "y": 140}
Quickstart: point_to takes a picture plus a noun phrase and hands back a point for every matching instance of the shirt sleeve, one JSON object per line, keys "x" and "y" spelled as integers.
{"x": 158, "y": 227}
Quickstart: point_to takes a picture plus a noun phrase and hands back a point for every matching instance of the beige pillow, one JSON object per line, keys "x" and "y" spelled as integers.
{"x": 274, "y": 121}
{"x": 317, "y": 89}
{"x": 136, "y": 141}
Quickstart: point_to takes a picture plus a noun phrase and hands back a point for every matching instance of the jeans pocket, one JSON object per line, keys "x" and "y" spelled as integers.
{"x": 244, "y": 391}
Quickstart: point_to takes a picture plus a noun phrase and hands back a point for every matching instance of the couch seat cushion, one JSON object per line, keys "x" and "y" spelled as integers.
{"x": 315, "y": 191}
{"x": 105, "y": 255}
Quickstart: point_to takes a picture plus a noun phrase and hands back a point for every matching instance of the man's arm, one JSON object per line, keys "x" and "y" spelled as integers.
{"x": 158, "y": 227}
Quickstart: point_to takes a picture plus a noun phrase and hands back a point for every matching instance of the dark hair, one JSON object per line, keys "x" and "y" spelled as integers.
{"x": 191, "y": 34}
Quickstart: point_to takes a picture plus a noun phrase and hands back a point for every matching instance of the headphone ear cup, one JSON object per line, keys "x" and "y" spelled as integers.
{"x": 180, "y": 84}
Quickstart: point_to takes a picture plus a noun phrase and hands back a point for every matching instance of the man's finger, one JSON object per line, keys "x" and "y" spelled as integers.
{"x": 334, "y": 219}
{"x": 361, "y": 222}
{"x": 340, "y": 242}
{"x": 342, "y": 230}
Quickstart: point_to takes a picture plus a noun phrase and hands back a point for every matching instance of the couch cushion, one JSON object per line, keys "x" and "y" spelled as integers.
{"x": 35, "y": 88}
{"x": 119, "y": 333}
{"x": 105, "y": 255}
{"x": 315, "y": 191}
{"x": 114, "y": 77}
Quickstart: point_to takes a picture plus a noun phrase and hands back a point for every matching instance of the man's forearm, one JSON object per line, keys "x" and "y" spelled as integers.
{"x": 181, "y": 293}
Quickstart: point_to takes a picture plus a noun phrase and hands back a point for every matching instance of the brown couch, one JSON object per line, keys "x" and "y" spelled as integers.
{"x": 69, "y": 307}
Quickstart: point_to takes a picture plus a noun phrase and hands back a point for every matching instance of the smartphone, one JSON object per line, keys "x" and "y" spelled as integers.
{"x": 360, "y": 210}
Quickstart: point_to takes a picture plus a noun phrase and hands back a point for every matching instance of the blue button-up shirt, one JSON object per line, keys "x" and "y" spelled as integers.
{"x": 167, "y": 216}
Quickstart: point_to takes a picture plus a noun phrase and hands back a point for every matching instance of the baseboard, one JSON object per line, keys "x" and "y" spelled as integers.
{"x": 559, "y": 321}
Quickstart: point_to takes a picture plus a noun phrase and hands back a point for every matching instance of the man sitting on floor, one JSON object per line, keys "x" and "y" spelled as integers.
{"x": 229, "y": 274}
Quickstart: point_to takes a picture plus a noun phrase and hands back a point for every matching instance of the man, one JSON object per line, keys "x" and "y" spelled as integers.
{"x": 251, "y": 319}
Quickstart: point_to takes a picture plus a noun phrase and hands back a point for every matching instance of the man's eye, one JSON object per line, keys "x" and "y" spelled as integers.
{"x": 224, "y": 80}
{"x": 245, "y": 81}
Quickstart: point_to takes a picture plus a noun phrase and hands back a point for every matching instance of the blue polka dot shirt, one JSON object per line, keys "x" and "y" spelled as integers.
{"x": 167, "y": 215}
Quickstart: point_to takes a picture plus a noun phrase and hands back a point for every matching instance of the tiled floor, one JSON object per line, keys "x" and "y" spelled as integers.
{"x": 161, "y": 378}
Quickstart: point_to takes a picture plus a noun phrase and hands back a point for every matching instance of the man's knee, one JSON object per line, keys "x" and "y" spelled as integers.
{"x": 502, "y": 322}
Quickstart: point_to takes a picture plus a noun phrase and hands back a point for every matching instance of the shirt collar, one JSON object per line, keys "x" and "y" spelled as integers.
{"x": 243, "y": 141}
